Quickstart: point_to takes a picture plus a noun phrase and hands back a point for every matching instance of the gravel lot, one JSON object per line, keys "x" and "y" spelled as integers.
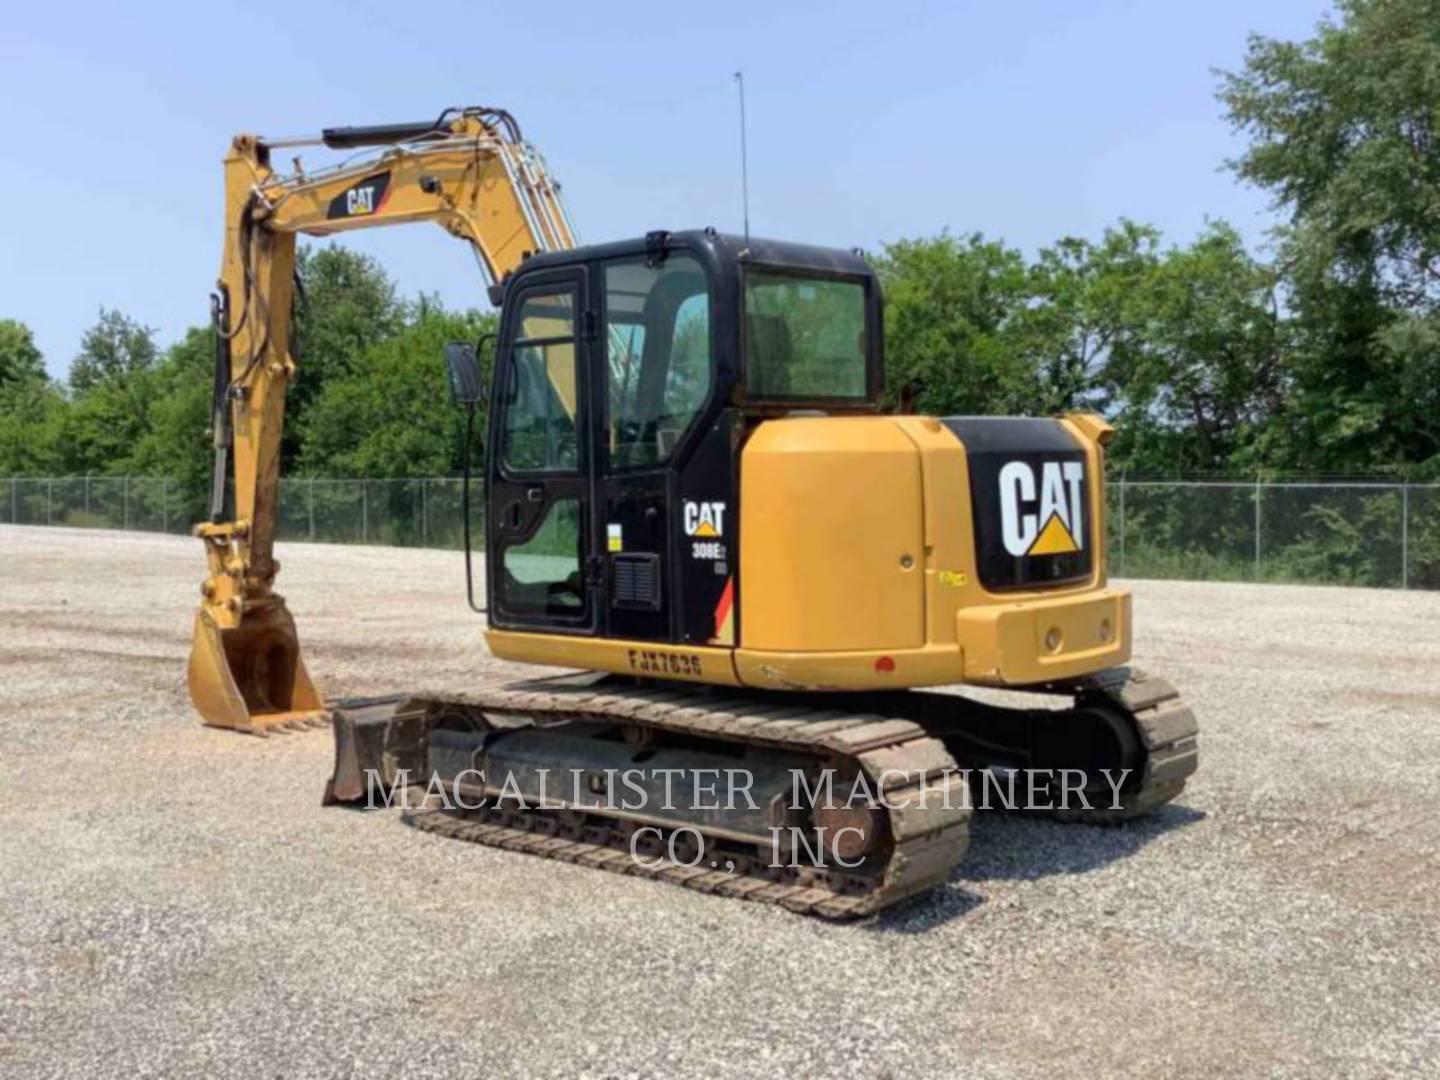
{"x": 175, "y": 901}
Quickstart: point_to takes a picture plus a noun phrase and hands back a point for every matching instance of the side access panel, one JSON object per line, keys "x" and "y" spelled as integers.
{"x": 705, "y": 538}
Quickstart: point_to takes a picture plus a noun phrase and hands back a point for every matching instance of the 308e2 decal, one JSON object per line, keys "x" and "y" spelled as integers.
{"x": 704, "y": 523}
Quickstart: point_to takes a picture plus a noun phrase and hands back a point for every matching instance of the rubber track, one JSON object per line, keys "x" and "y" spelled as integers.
{"x": 1169, "y": 735}
{"x": 926, "y": 796}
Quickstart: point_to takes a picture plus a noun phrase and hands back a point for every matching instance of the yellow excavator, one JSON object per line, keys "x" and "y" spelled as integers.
{"x": 695, "y": 497}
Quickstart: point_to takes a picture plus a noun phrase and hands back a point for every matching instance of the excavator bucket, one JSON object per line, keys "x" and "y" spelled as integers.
{"x": 250, "y": 677}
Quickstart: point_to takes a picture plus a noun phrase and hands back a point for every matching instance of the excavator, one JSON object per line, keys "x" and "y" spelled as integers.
{"x": 761, "y": 584}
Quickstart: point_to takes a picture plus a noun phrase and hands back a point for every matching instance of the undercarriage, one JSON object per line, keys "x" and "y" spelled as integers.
{"x": 836, "y": 805}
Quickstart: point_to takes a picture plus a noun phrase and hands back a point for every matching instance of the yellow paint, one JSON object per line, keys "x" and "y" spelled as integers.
{"x": 643, "y": 658}
{"x": 933, "y": 665}
{"x": 830, "y": 509}
{"x": 1054, "y": 539}
{"x": 1000, "y": 644}
{"x": 559, "y": 356}
{"x": 1004, "y": 644}
{"x": 560, "y": 366}
{"x": 706, "y": 529}
{"x": 246, "y": 669}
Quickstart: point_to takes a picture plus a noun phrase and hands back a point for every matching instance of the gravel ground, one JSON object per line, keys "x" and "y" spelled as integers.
{"x": 176, "y": 902}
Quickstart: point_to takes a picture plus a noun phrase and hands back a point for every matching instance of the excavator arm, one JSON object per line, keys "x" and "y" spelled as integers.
{"x": 468, "y": 171}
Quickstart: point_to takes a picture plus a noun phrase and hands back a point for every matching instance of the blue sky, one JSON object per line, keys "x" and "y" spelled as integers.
{"x": 868, "y": 122}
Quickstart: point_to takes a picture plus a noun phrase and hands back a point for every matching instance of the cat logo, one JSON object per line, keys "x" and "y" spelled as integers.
{"x": 704, "y": 519}
{"x": 1053, "y": 527}
{"x": 363, "y": 199}
{"x": 360, "y": 200}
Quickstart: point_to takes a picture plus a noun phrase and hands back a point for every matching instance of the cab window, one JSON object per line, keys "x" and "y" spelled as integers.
{"x": 657, "y": 350}
{"x": 539, "y": 432}
{"x": 805, "y": 337}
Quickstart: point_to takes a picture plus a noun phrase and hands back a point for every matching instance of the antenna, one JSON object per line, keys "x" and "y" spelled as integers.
{"x": 744, "y": 163}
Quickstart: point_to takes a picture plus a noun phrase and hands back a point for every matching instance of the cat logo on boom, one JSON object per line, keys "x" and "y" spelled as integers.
{"x": 362, "y": 200}
{"x": 1042, "y": 515}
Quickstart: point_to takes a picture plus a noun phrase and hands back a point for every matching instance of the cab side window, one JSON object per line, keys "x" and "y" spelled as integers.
{"x": 541, "y": 386}
{"x": 658, "y": 363}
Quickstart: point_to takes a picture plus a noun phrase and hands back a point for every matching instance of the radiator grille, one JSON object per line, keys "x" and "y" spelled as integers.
{"x": 635, "y": 581}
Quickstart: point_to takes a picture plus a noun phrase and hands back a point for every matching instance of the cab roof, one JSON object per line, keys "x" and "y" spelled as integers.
{"x": 724, "y": 247}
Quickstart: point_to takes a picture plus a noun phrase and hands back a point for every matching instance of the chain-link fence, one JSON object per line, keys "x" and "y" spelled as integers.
{"x": 1349, "y": 533}
{"x": 409, "y": 513}
{"x": 1353, "y": 533}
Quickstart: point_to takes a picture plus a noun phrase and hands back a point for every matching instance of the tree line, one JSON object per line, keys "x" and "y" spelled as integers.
{"x": 1322, "y": 355}
{"x": 370, "y": 399}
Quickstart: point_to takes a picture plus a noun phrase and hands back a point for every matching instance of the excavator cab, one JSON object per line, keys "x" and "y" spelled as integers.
{"x": 626, "y": 376}
{"x": 690, "y": 476}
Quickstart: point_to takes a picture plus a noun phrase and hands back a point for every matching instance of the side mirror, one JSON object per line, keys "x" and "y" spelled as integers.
{"x": 466, "y": 387}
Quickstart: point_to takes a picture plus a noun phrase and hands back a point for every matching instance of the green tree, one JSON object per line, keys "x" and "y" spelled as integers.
{"x": 20, "y": 360}
{"x": 390, "y": 414}
{"x": 111, "y": 393}
{"x": 176, "y": 440}
{"x": 1345, "y": 132}
{"x": 949, "y": 302}
{"x": 1197, "y": 371}
{"x": 32, "y": 408}
{"x": 112, "y": 350}
{"x": 33, "y": 430}
{"x": 345, "y": 304}
{"x": 1080, "y": 295}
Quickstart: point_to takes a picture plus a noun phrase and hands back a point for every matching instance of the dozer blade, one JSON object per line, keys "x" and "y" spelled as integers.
{"x": 377, "y": 741}
{"x": 250, "y": 677}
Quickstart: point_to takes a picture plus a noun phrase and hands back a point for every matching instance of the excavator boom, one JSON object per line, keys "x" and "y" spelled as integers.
{"x": 468, "y": 171}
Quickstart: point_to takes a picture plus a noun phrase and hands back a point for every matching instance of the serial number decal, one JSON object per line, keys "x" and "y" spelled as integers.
{"x": 664, "y": 663}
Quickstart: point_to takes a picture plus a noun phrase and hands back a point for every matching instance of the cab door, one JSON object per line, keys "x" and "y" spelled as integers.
{"x": 654, "y": 387}
{"x": 539, "y": 503}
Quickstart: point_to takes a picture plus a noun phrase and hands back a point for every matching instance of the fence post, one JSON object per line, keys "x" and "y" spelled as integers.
{"x": 49, "y": 502}
{"x": 87, "y": 498}
{"x": 1257, "y": 528}
{"x": 424, "y": 513}
{"x": 125, "y": 498}
{"x": 14, "y": 500}
{"x": 364, "y": 512}
{"x": 1122, "y": 521}
{"x": 165, "y": 504}
{"x": 1405, "y": 534}
{"x": 310, "y": 491}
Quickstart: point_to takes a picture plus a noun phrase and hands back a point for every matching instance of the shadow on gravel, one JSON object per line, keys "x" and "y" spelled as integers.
{"x": 928, "y": 910}
{"x": 1011, "y": 847}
